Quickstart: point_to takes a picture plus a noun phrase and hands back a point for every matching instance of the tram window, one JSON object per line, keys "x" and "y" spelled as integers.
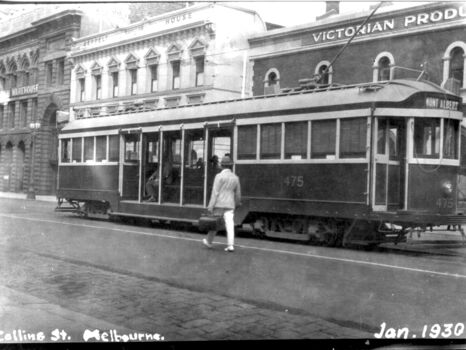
{"x": 65, "y": 150}
{"x": 88, "y": 149}
{"x": 271, "y": 136}
{"x": 131, "y": 148}
{"x": 176, "y": 151}
{"x": 194, "y": 149}
{"x": 426, "y": 138}
{"x": 296, "y": 140}
{"x": 221, "y": 146}
{"x": 323, "y": 139}
{"x": 113, "y": 148}
{"x": 77, "y": 156}
{"x": 247, "y": 142}
{"x": 153, "y": 151}
{"x": 450, "y": 138}
{"x": 100, "y": 148}
{"x": 353, "y": 138}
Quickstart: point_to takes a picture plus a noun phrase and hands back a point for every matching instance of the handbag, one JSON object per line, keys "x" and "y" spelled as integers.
{"x": 211, "y": 222}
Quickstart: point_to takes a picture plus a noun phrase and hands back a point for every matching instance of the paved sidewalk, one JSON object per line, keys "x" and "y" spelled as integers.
{"x": 100, "y": 298}
{"x": 24, "y": 196}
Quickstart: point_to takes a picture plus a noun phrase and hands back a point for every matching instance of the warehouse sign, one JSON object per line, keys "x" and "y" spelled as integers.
{"x": 24, "y": 90}
{"x": 436, "y": 16}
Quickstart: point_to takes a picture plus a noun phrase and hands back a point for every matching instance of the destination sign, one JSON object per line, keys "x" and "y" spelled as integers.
{"x": 434, "y": 102}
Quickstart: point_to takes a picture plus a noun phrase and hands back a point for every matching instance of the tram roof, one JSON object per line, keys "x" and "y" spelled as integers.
{"x": 395, "y": 91}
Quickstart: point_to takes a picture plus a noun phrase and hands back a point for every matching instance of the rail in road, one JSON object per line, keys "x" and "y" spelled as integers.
{"x": 356, "y": 289}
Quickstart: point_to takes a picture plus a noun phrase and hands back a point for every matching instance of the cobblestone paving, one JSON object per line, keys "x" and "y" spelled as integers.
{"x": 149, "y": 306}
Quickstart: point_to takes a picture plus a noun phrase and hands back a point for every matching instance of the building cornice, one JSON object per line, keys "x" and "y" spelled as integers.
{"x": 57, "y": 16}
{"x": 131, "y": 41}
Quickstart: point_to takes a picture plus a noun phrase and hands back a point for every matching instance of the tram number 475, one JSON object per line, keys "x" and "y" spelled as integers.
{"x": 444, "y": 203}
{"x": 294, "y": 181}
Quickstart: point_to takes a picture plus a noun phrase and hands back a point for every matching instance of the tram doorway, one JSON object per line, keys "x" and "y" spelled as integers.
{"x": 219, "y": 144}
{"x": 389, "y": 162}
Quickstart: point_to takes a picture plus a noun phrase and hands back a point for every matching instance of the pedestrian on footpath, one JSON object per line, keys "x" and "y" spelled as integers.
{"x": 225, "y": 198}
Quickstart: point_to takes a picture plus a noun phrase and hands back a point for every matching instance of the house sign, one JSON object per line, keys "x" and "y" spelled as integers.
{"x": 24, "y": 90}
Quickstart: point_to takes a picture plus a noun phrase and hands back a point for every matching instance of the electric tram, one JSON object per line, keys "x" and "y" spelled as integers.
{"x": 365, "y": 163}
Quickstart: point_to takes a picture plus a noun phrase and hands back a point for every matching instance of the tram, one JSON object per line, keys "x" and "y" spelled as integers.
{"x": 338, "y": 165}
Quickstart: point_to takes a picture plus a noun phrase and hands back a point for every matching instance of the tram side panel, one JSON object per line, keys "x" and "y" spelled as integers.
{"x": 328, "y": 190}
{"x": 433, "y": 188}
{"x": 89, "y": 183}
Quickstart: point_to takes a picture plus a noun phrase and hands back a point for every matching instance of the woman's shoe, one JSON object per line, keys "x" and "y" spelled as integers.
{"x": 230, "y": 249}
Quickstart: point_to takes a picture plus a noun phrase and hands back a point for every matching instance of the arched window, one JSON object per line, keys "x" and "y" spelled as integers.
{"x": 382, "y": 67}
{"x": 272, "y": 81}
{"x": 457, "y": 64}
{"x": 323, "y": 73}
{"x": 454, "y": 61}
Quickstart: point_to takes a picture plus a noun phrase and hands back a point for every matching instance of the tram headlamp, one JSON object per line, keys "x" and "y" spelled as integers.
{"x": 447, "y": 187}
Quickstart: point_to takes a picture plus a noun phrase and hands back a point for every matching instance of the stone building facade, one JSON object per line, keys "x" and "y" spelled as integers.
{"x": 397, "y": 41}
{"x": 193, "y": 55}
{"x": 34, "y": 85}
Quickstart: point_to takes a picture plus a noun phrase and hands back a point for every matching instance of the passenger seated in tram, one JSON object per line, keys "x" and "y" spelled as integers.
{"x": 152, "y": 184}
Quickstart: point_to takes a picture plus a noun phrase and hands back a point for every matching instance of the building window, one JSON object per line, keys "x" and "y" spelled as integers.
{"x": 247, "y": 142}
{"x": 199, "y": 70}
{"x": 2, "y": 83}
{"x": 98, "y": 86}
{"x": 65, "y": 150}
{"x": 11, "y": 117}
{"x": 272, "y": 82}
{"x": 133, "y": 73}
{"x": 25, "y": 78}
{"x": 61, "y": 72}
{"x": 382, "y": 67}
{"x": 324, "y": 74}
{"x": 323, "y": 139}
{"x": 115, "y": 84}
{"x": 48, "y": 73}
{"x": 34, "y": 109}
{"x": 13, "y": 81}
{"x": 153, "y": 78}
{"x": 175, "y": 74}
{"x": 353, "y": 138}
{"x": 23, "y": 114}
{"x": 271, "y": 140}
{"x": 296, "y": 136}
{"x": 457, "y": 65}
{"x": 2, "y": 116}
{"x": 82, "y": 89}
{"x": 77, "y": 150}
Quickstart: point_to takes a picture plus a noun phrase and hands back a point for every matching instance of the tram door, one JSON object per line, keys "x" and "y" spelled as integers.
{"x": 130, "y": 166}
{"x": 150, "y": 169}
{"x": 389, "y": 164}
{"x": 171, "y": 166}
{"x": 219, "y": 144}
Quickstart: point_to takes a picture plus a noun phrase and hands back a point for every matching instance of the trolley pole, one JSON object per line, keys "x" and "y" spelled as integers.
{"x": 31, "y": 191}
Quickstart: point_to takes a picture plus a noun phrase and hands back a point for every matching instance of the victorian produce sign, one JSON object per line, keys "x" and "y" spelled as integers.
{"x": 449, "y": 13}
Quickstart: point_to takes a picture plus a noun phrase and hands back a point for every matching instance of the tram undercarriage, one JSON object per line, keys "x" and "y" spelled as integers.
{"x": 330, "y": 232}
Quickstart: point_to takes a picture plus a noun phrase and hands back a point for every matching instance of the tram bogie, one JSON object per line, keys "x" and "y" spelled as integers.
{"x": 361, "y": 164}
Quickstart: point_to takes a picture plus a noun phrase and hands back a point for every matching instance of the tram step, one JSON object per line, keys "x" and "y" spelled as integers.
{"x": 286, "y": 235}
{"x": 66, "y": 209}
